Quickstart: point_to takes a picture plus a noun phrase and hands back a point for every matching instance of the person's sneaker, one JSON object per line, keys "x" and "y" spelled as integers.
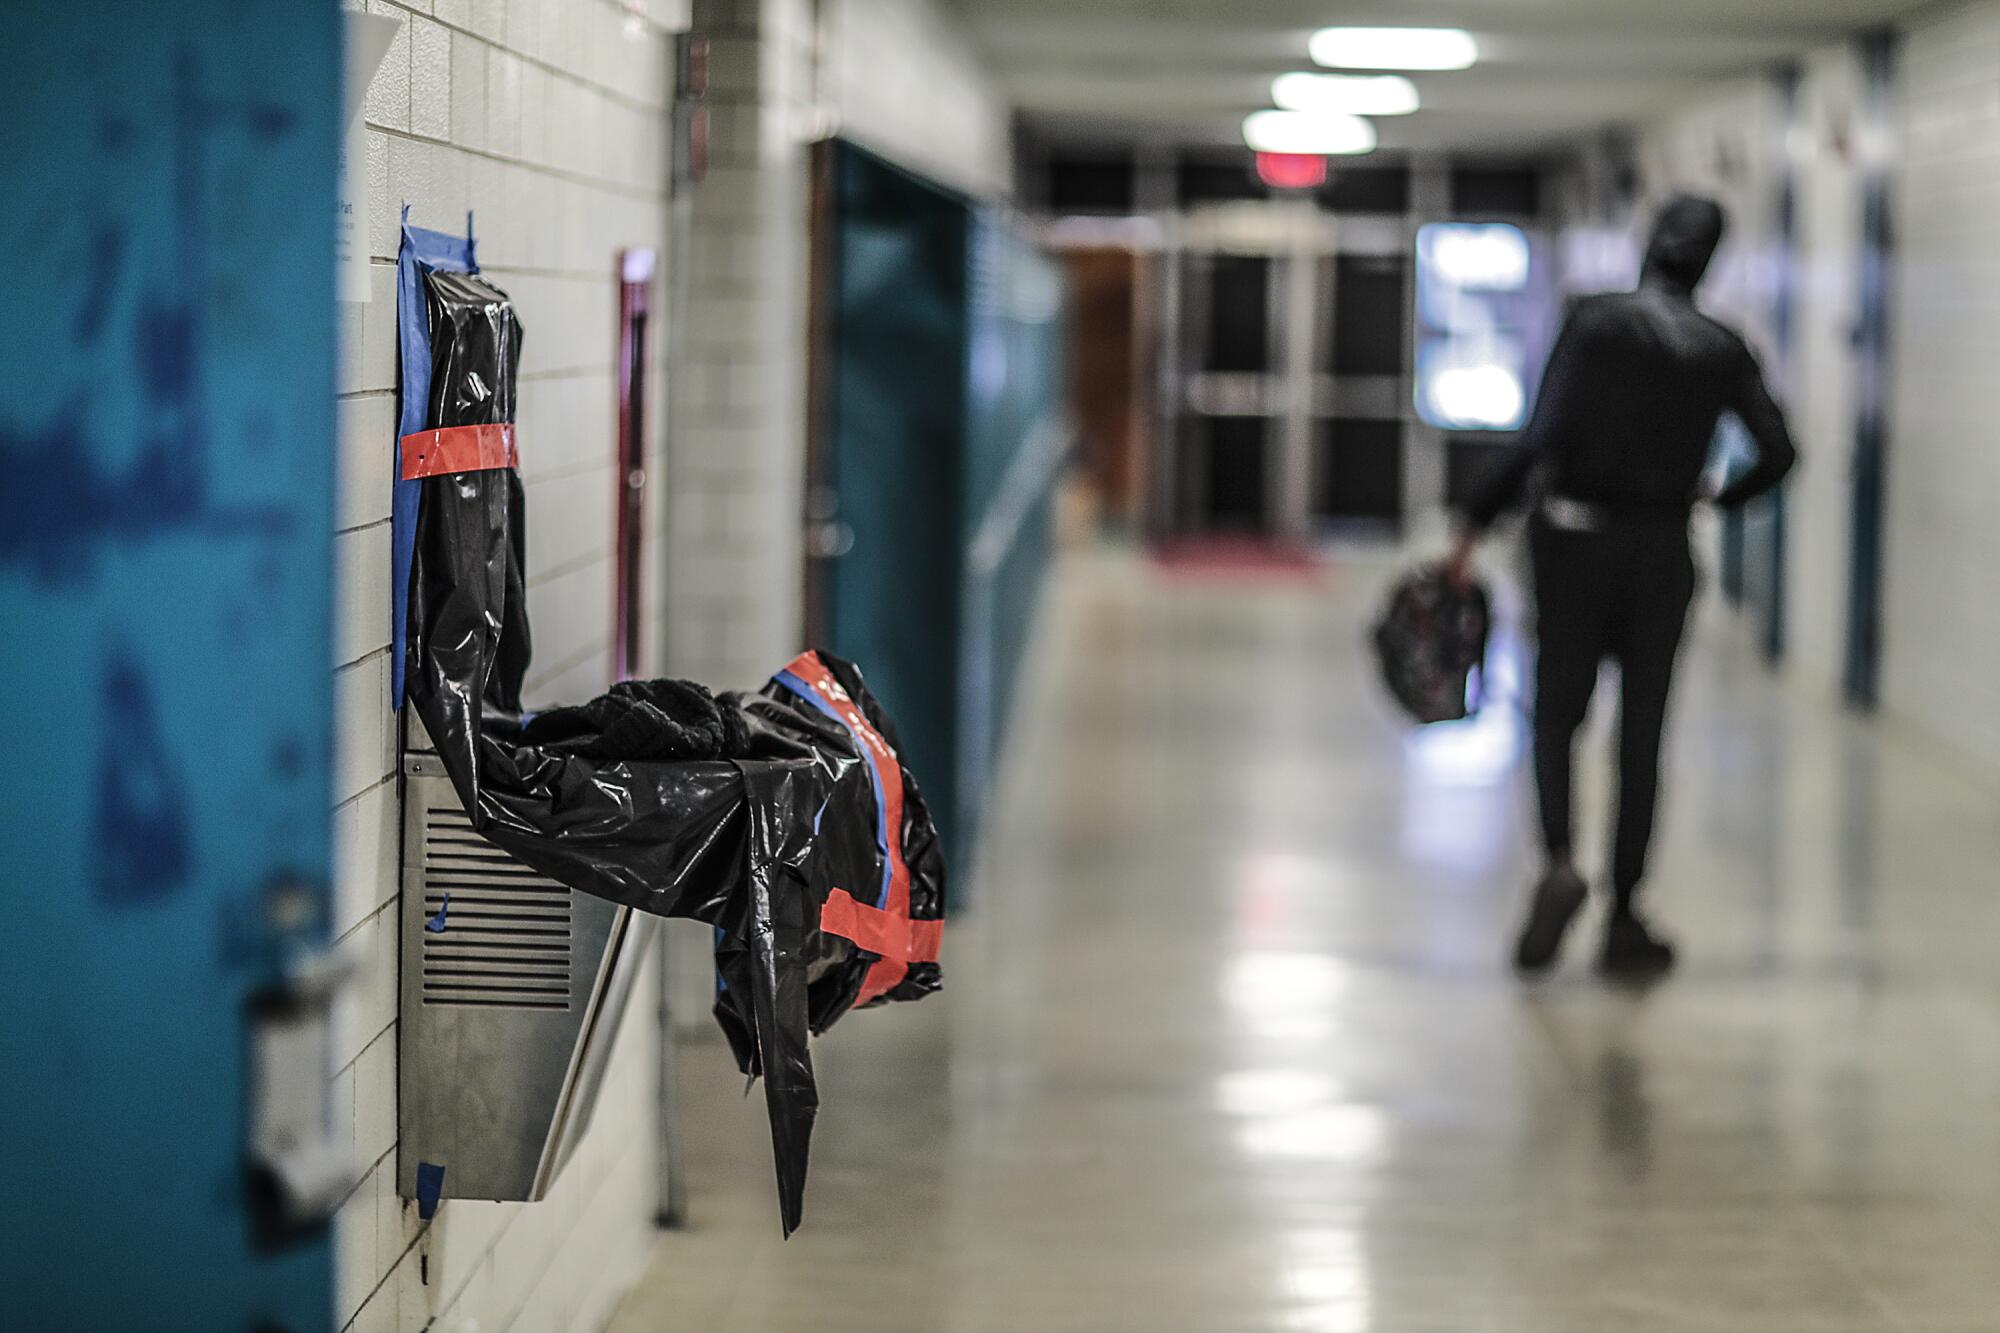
{"x": 1555, "y": 905}
{"x": 1632, "y": 950}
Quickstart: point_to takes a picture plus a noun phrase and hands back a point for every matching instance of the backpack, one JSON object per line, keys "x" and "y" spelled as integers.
{"x": 1430, "y": 645}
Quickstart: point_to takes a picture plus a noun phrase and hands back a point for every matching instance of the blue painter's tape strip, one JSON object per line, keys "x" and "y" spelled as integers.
{"x": 421, "y": 249}
{"x": 430, "y": 1187}
{"x": 867, "y": 753}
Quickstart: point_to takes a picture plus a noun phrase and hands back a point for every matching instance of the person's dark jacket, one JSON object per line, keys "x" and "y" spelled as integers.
{"x": 1634, "y": 387}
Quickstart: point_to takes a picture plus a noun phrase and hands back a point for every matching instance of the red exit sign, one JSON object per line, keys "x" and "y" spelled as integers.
{"x": 1291, "y": 171}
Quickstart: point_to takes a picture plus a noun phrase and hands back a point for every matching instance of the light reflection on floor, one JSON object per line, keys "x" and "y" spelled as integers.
{"x": 1481, "y": 750}
{"x": 1229, "y": 1043}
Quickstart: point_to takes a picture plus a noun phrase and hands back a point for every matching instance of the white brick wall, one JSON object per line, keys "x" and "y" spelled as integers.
{"x": 739, "y": 432}
{"x": 548, "y": 119}
{"x": 910, "y": 86}
{"x": 896, "y": 75}
{"x": 1941, "y": 584}
{"x": 1941, "y": 593}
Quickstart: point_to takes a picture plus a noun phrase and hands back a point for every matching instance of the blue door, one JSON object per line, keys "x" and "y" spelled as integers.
{"x": 936, "y": 448}
{"x": 894, "y": 470}
{"x": 166, "y": 490}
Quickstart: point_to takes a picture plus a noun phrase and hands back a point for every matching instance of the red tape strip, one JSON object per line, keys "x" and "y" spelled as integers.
{"x": 432, "y": 453}
{"x": 889, "y": 931}
{"x": 904, "y": 938}
{"x": 884, "y": 975}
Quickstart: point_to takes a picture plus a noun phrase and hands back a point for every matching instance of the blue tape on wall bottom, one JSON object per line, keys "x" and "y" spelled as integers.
{"x": 430, "y": 1187}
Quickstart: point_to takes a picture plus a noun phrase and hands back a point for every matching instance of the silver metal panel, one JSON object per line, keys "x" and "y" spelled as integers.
{"x": 634, "y": 932}
{"x": 512, "y": 990}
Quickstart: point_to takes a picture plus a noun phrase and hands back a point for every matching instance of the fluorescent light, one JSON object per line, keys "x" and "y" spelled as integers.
{"x": 1307, "y": 132}
{"x": 1394, "y": 48}
{"x": 1356, "y": 94}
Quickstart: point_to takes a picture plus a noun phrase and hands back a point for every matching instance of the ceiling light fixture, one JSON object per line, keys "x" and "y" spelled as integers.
{"x": 1308, "y": 132}
{"x": 1356, "y": 94}
{"x": 1393, "y": 48}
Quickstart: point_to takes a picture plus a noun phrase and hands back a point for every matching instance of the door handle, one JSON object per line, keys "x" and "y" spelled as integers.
{"x": 297, "y": 1172}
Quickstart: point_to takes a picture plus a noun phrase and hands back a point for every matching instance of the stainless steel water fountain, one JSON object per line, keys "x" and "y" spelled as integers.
{"x": 513, "y": 987}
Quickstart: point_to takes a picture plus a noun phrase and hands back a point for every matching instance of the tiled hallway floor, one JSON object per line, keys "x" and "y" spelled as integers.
{"x": 1228, "y": 1044}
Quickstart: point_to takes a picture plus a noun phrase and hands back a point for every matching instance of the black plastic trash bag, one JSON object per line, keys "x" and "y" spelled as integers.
{"x": 1430, "y": 644}
{"x": 784, "y": 819}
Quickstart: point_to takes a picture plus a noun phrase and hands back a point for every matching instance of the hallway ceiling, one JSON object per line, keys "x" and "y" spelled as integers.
{"x": 1188, "y": 71}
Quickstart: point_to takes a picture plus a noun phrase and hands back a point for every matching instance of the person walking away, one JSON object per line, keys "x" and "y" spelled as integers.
{"x": 1616, "y": 448}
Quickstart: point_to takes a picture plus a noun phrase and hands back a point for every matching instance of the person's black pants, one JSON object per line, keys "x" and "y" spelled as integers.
{"x": 1620, "y": 592}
